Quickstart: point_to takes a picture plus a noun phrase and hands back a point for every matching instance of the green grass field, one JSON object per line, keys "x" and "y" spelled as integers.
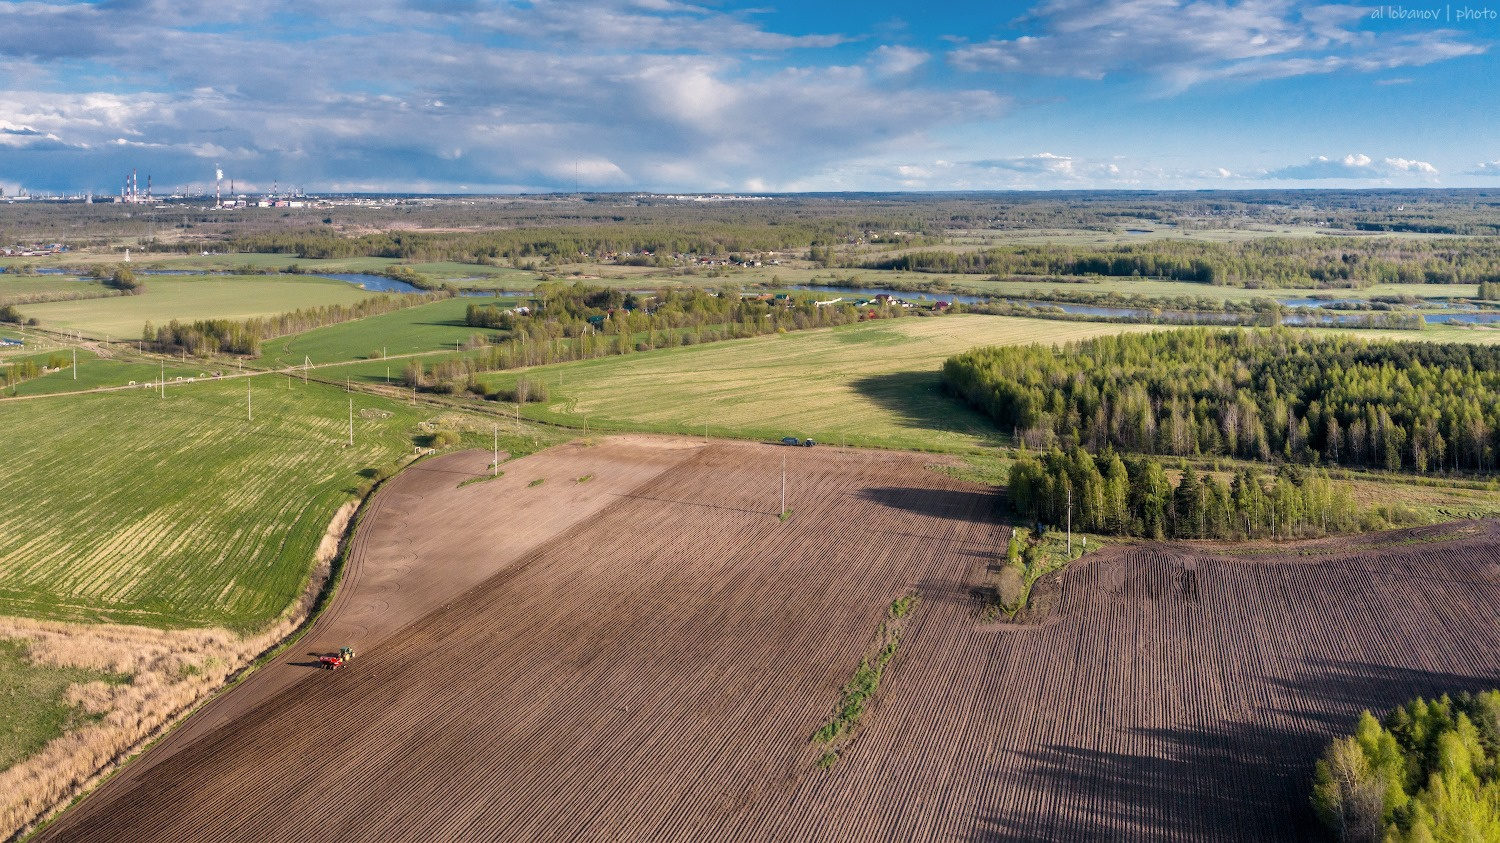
{"x": 18, "y": 288}
{"x": 874, "y": 384}
{"x": 95, "y": 372}
{"x": 414, "y": 330}
{"x": 188, "y": 298}
{"x": 35, "y": 710}
{"x": 179, "y": 512}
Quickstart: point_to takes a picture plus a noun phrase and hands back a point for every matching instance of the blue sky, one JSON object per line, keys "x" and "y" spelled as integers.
{"x": 660, "y": 95}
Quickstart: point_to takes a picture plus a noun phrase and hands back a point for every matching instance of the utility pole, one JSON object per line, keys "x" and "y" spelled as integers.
{"x": 1070, "y": 522}
{"x": 75, "y": 364}
{"x": 351, "y": 422}
{"x": 248, "y": 417}
{"x": 497, "y": 451}
{"x": 783, "y": 485}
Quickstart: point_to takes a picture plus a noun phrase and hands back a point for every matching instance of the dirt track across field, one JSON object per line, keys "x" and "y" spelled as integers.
{"x": 655, "y": 671}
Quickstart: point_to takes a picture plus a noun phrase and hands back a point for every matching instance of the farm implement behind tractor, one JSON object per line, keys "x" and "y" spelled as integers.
{"x": 335, "y": 662}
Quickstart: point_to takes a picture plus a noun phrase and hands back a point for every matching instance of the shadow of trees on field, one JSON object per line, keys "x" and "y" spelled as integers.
{"x": 917, "y": 400}
{"x": 1231, "y": 780}
{"x": 958, "y": 505}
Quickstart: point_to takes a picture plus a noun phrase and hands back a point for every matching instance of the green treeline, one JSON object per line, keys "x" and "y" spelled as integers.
{"x": 12, "y": 373}
{"x": 1262, "y": 263}
{"x": 579, "y": 322}
{"x": 226, "y": 336}
{"x": 1261, "y": 395}
{"x": 1157, "y": 312}
{"x": 1134, "y": 496}
{"x": 556, "y": 245}
{"x": 1429, "y": 773}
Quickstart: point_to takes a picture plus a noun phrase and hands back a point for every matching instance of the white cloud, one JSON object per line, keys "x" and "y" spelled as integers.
{"x": 1189, "y": 42}
{"x": 1039, "y": 171}
{"x": 893, "y": 60}
{"x": 661, "y": 95}
{"x": 1042, "y": 162}
{"x": 1485, "y": 168}
{"x": 1353, "y": 166}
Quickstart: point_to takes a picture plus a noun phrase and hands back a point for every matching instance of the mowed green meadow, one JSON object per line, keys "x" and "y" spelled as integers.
{"x": 413, "y": 330}
{"x": 872, "y": 384}
{"x": 189, "y": 297}
{"x": 17, "y": 288}
{"x": 130, "y": 508}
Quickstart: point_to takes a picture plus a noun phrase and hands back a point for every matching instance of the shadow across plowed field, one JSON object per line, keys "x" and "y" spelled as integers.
{"x": 657, "y": 671}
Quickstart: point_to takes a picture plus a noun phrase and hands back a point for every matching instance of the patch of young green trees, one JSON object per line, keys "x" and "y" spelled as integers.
{"x": 1428, "y": 773}
{"x": 1135, "y": 496}
{"x": 1261, "y": 395}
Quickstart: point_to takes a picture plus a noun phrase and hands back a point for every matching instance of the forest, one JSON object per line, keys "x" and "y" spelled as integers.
{"x": 1430, "y": 771}
{"x": 1134, "y": 496}
{"x": 1272, "y": 262}
{"x": 534, "y": 246}
{"x": 1263, "y": 395}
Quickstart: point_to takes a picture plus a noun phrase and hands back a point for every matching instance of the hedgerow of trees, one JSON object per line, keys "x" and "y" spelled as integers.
{"x": 1261, "y": 395}
{"x": 579, "y": 322}
{"x": 1429, "y": 772}
{"x": 1134, "y": 496}
{"x": 1339, "y": 262}
{"x": 226, "y": 336}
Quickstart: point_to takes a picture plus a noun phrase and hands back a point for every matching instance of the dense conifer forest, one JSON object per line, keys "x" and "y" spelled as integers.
{"x": 1279, "y": 395}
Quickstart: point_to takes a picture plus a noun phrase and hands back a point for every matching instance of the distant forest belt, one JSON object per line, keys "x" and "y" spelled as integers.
{"x": 1336, "y": 262}
{"x": 1312, "y": 399}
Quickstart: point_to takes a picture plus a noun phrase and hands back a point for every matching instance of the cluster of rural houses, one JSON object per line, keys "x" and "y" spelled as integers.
{"x": 35, "y": 250}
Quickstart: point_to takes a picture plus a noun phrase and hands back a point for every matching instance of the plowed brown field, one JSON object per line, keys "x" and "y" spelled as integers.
{"x": 655, "y": 672}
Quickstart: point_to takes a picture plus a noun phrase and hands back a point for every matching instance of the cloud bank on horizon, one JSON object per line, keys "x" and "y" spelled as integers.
{"x": 495, "y": 96}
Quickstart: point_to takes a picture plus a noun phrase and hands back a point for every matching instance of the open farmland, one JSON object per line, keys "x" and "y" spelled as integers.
{"x": 18, "y": 289}
{"x": 169, "y": 512}
{"x": 657, "y": 671}
{"x": 188, "y": 298}
{"x": 413, "y": 330}
{"x": 874, "y": 383}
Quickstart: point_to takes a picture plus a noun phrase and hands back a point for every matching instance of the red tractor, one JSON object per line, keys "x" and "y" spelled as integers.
{"x": 336, "y": 662}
